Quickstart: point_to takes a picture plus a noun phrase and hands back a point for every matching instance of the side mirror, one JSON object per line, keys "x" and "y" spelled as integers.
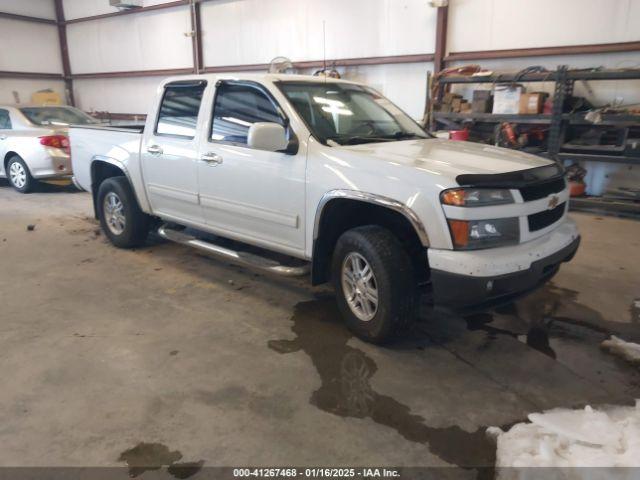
{"x": 267, "y": 136}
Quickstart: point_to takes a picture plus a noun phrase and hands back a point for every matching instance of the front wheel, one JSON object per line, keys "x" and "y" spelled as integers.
{"x": 19, "y": 175}
{"x": 121, "y": 218}
{"x": 375, "y": 283}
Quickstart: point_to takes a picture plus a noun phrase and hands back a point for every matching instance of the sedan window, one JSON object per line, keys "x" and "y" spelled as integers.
{"x": 5, "y": 120}
{"x": 57, "y": 116}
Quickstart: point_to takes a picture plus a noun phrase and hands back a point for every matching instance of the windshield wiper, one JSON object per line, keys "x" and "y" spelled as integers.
{"x": 405, "y": 135}
{"x": 355, "y": 140}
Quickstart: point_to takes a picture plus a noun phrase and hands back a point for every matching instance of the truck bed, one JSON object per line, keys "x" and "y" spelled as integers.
{"x": 121, "y": 144}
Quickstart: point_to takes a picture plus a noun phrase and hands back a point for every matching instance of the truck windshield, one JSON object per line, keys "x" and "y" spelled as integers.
{"x": 345, "y": 114}
{"x": 57, "y": 116}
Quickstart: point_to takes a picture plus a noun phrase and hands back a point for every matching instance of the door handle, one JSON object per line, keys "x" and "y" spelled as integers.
{"x": 154, "y": 150}
{"x": 3, "y": 137}
{"x": 211, "y": 158}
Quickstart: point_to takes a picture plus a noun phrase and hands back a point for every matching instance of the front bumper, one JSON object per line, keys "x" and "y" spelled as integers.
{"x": 483, "y": 278}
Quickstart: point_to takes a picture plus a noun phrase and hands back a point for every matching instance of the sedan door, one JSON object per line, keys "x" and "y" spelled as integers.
{"x": 170, "y": 154}
{"x": 251, "y": 195}
{"x": 5, "y": 130}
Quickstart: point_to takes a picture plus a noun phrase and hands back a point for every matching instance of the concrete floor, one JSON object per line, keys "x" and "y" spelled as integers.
{"x": 160, "y": 353}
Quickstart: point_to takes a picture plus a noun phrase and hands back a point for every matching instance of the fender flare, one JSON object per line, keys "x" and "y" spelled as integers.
{"x": 375, "y": 199}
{"x": 119, "y": 165}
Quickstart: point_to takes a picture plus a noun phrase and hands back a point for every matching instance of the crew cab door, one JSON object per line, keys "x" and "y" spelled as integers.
{"x": 250, "y": 195}
{"x": 169, "y": 153}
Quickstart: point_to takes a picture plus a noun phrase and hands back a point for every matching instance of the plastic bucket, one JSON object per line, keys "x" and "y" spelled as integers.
{"x": 459, "y": 135}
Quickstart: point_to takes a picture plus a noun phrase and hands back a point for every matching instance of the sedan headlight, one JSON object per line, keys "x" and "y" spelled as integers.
{"x": 475, "y": 197}
{"x": 476, "y": 234}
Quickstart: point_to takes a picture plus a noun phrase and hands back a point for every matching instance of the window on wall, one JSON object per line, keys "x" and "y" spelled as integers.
{"x": 236, "y": 108}
{"x": 179, "y": 109}
{"x": 5, "y": 120}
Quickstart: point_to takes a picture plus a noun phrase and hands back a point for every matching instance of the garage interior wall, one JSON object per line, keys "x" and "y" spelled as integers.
{"x": 21, "y": 53}
{"x": 241, "y": 33}
{"x": 477, "y": 25}
{"x": 249, "y": 32}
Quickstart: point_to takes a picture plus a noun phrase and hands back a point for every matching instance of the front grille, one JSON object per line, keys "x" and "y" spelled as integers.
{"x": 540, "y": 220}
{"x": 542, "y": 190}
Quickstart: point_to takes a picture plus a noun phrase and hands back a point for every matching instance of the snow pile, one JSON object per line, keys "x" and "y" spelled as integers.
{"x": 572, "y": 438}
{"x": 627, "y": 350}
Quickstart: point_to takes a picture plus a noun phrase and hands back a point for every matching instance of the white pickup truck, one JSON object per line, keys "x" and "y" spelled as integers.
{"x": 297, "y": 174}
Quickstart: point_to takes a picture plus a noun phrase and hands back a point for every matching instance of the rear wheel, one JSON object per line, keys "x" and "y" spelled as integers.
{"x": 375, "y": 283}
{"x": 121, "y": 218}
{"x": 19, "y": 175}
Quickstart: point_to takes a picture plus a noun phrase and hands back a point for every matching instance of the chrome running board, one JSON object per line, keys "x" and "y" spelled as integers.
{"x": 241, "y": 258}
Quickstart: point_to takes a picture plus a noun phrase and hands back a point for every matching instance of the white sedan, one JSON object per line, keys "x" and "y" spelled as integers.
{"x": 34, "y": 143}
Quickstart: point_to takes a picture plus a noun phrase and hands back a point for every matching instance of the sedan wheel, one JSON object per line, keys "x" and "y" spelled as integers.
{"x": 18, "y": 175}
{"x": 114, "y": 213}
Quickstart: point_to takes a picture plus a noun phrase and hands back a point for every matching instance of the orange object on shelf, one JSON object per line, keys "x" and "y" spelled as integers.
{"x": 577, "y": 189}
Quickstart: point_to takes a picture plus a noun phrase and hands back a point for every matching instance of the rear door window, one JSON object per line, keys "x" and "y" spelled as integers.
{"x": 236, "y": 108}
{"x": 179, "y": 109}
{"x": 5, "y": 120}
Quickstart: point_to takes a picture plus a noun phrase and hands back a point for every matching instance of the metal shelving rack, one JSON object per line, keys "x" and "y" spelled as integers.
{"x": 558, "y": 121}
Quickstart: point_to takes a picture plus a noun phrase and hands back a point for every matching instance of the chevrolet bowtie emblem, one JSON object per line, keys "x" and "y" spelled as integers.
{"x": 553, "y": 202}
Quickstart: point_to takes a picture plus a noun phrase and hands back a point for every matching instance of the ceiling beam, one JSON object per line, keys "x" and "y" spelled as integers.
{"x": 64, "y": 51}
{"x": 135, "y": 73}
{"x": 26, "y": 18}
{"x": 544, "y": 51}
{"x": 441, "y": 38}
{"x": 344, "y": 62}
{"x": 131, "y": 11}
{"x": 31, "y": 75}
{"x": 196, "y": 36}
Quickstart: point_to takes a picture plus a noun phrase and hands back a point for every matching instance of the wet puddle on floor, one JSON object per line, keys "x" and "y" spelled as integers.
{"x": 553, "y": 322}
{"x": 153, "y": 456}
{"x": 634, "y": 310}
{"x": 550, "y": 321}
{"x": 346, "y": 390}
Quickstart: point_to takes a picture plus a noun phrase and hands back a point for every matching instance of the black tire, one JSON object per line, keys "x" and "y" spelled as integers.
{"x": 394, "y": 279}
{"x": 136, "y": 222}
{"x": 29, "y": 182}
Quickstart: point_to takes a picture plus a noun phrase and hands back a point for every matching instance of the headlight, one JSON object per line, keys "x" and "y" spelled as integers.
{"x": 476, "y": 234}
{"x": 475, "y": 197}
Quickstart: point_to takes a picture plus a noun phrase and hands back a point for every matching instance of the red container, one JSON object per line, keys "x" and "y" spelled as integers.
{"x": 460, "y": 135}
{"x": 577, "y": 189}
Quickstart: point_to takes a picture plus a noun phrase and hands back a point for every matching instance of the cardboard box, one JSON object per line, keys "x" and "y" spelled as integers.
{"x": 450, "y": 97}
{"x": 506, "y": 98}
{"x": 532, "y": 103}
{"x": 482, "y": 95}
{"x": 46, "y": 97}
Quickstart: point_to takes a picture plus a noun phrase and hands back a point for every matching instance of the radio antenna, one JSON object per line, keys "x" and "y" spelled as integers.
{"x": 324, "y": 49}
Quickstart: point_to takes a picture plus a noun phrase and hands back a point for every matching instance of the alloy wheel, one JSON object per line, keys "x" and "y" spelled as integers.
{"x": 114, "y": 213}
{"x": 359, "y": 286}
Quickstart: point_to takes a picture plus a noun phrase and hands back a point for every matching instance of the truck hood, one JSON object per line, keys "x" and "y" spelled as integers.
{"x": 450, "y": 158}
